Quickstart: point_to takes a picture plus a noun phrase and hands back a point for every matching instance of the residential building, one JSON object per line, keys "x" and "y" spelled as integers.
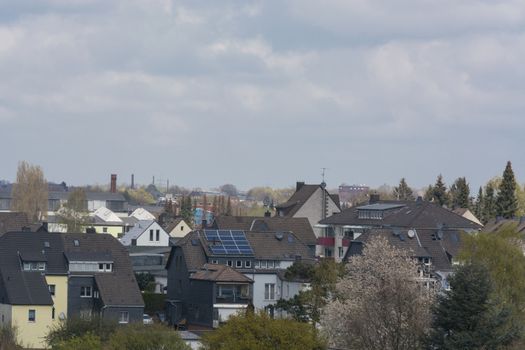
{"x": 146, "y": 233}
{"x": 47, "y": 277}
{"x": 151, "y": 260}
{"x": 341, "y": 228}
{"x": 312, "y": 202}
{"x": 467, "y": 214}
{"x": 142, "y": 214}
{"x": 177, "y": 228}
{"x": 260, "y": 256}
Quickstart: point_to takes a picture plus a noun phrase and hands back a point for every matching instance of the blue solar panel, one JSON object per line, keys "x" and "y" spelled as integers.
{"x": 228, "y": 242}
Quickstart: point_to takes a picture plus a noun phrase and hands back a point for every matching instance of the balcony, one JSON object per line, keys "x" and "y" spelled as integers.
{"x": 330, "y": 241}
{"x": 233, "y": 294}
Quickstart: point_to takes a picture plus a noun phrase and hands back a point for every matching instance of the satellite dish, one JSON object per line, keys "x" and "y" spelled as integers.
{"x": 411, "y": 233}
{"x": 440, "y": 234}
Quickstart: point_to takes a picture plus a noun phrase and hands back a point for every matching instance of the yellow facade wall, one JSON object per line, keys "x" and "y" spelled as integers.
{"x": 61, "y": 297}
{"x": 115, "y": 231}
{"x": 32, "y": 334}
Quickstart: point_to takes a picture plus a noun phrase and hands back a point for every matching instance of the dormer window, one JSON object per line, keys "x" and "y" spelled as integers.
{"x": 105, "y": 267}
{"x": 34, "y": 266}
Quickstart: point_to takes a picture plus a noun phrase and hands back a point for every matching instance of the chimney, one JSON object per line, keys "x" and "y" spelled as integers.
{"x": 374, "y": 198}
{"x": 113, "y": 187}
{"x": 298, "y": 185}
{"x": 132, "y": 181}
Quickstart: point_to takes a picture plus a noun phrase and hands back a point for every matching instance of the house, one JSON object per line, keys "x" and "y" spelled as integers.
{"x": 48, "y": 277}
{"x": 106, "y": 221}
{"x": 467, "y": 214}
{"x": 312, "y": 202}
{"x": 142, "y": 214}
{"x": 435, "y": 250}
{"x": 300, "y": 227}
{"x": 340, "y": 229}
{"x": 177, "y": 228}
{"x": 146, "y": 233}
{"x": 259, "y": 256}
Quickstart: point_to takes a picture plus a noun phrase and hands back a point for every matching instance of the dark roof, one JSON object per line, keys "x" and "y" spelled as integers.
{"x": 285, "y": 246}
{"x": 32, "y": 255}
{"x": 408, "y": 214}
{"x": 299, "y": 226}
{"x": 425, "y": 243}
{"x": 118, "y": 287}
{"x": 296, "y": 201}
{"x": 219, "y": 273}
{"x": 192, "y": 250}
{"x": 90, "y": 196}
{"x": 25, "y": 287}
{"x": 89, "y": 256}
{"x": 13, "y": 221}
{"x": 495, "y": 225}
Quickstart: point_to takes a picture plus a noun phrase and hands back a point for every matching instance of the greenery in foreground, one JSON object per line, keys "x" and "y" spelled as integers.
{"x": 100, "y": 335}
{"x": 258, "y": 331}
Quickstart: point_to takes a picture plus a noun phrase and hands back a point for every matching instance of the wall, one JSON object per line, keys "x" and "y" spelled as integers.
{"x": 181, "y": 230}
{"x": 312, "y": 210}
{"x": 5, "y": 314}
{"x": 115, "y": 231}
{"x": 32, "y": 334}
{"x": 76, "y": 303}
{"x": 61, "y": 295}
{"x": 113, "y": 313}
{"x": 163, "y": 241}
{"x": 260, "y": 279}
{"x": 199, "y": 303}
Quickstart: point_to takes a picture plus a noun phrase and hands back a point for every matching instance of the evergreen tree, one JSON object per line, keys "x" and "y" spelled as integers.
{"x": 506, "y": 201}
{"x": 478, "y": 207}
{"x": 439, "y": 193}
{"x": 467, "y": 317}
{"x": 460, "y": 193}
{"x": 489, "y": 204}
{"x": 429, "y": 194}
{"x": 403, "y": 192}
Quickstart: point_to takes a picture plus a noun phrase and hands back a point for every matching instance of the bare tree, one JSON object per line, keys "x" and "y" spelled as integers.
{"x": 30, "y": 193}
{"x": 380, "y": 302}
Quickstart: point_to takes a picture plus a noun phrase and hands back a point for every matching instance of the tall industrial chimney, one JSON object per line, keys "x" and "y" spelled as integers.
{"x": 113, "y": 187}
{"x": 132, "y": 181}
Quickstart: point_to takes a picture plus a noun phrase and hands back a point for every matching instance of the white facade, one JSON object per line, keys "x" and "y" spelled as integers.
{"x": 146, "y": 234}
{"x": 263, "y": 292}
{"x": 180, "y": 230}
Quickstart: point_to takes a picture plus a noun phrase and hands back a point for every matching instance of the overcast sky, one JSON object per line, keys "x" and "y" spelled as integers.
{"x": 263, "y": 92}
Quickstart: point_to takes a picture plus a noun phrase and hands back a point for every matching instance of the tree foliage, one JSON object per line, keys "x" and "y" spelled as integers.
{"x": 74, "y": 213}
{"x": 403, "y": 192}
{"x": 86, "y": 341}
{"x": 489, "y": 204}
{"x": 468, "y": 316}
{"x": 146, "y": 281}
{"x": 257, "y": 331}
{"x": 139, "y": 196}
{"x": 140, "y": 337}
{"x": 380, "y": 303}
{"x": 229, "y": 189}
{"x": 506, "y": 201}
{"x": 478, "y": 205}
{"x": 439, "y": 192}
{"x": 8, "y": 338}
{"x": 460, "y": 193}
{"x": 502, "y": 254}
{"x": 30, "y": 193}
{"x": 76, "y": 327}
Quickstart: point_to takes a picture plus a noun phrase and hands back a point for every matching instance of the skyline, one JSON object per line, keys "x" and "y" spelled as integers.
{"x": 260, "y": 93}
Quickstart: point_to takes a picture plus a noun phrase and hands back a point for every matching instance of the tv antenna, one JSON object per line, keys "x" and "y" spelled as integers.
{"x": 323, "y": 173}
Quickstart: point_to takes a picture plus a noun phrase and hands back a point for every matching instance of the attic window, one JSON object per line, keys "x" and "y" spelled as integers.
{"x": 76, "y": 243}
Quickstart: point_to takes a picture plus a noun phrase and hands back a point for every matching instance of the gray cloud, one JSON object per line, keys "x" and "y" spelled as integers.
{"x": 262, "y": 92}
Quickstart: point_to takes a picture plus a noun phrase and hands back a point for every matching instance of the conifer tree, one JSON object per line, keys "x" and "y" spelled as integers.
{"x": 440, "y": 194}
{"x": 403, "y": 192}
{"x": 460, "y": 193}
{"x": 467, "y": 317}
{"x": 429, "y": 194}
{"x": 506, "y": 201}
{"x": 478, "y": 206}
{"x": 489, "y": 204}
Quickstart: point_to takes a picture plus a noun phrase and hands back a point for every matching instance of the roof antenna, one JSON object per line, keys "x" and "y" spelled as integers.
{"x": 323, "y": 184}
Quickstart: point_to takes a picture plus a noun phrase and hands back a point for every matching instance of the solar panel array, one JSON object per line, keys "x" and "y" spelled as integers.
{"x": 228, "y": 242}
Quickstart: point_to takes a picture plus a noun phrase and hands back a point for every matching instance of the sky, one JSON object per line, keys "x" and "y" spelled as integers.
{"x": 262, "y": 93}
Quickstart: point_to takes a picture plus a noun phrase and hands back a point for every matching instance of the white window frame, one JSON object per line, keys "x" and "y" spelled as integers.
{"x": 238, "y": 264}
{"x": 29, "y": 318}
{"x": 263, "y": 264}
{"x": 269, "y": 291}
{"x": 257, "y": 264}
{"x": 84, "y": 292}
{"x": 123, "y": 317}
{"x": 248, "y": 264}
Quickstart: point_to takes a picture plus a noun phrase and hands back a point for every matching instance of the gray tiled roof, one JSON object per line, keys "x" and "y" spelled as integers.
{"x": 13, "y": 221}
{"x": 267, "y": 245}
{"x": 299, "y": 226}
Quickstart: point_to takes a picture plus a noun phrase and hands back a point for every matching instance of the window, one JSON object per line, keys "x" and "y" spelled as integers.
{"x": 238, "y": 263}
{"x": 133, "y": 242}
{"x": 109, "y": 267}
{"x": 157, "y": 235}
{"x": 269, "y": 291}
{"x": 340, "y": 252}
{"x": 51, "y": 289}
{"x": 124, "y": 317}
{"x": 53, "y": 313}
{"x": 230, "y": 263}
{"x": 31, "y": 316}
{"x": 151, "y": 235}
{"x": 277, "y": 264}
{"x": 257, "y": 264}
{"x": 34, "y": 266}
{"x": 85, "y": 292}
{"x": 270, "y": 264}
{"x": 215, "y": 262}
{"x": 248, "y": 264}
{"x": 105, "y": 229}
{"x": 263, "y": 264}
{"x": 182, "y": 228}
{"x": 101, "y": 267}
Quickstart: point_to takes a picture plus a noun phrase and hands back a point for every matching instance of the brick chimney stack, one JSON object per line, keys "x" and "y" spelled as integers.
{"x": 113, "y": 187}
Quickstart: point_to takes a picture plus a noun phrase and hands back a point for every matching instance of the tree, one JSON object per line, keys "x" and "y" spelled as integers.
{"x": 186, "y": 211}
{"x": 478, "y": 206}
{"x": 146, "y": 281}
{"x": 429, "y": 194}
{"x": 501, "y": 253}
{"x": 403, "y": 192}
{"x": 30, "y": 193}
{"x": 229, "y": 189}
{"x": 257, "y": 331}
{"x": 74, "y": 213}
{"x": 467, "y": 317}
{"x": 139, "y": 196}
{"x": 9, "y": 338}
{"x": 489, "y": 204}
{"x": 460, "y": 193}
{"x": 380, "y": 303}
{"x": 86, "y": 341}
{"x": 138, "y": 337}
{"x": 439, "y": 192}
{"x": 306, "y": 305}
{"x": 506, "y": 201}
